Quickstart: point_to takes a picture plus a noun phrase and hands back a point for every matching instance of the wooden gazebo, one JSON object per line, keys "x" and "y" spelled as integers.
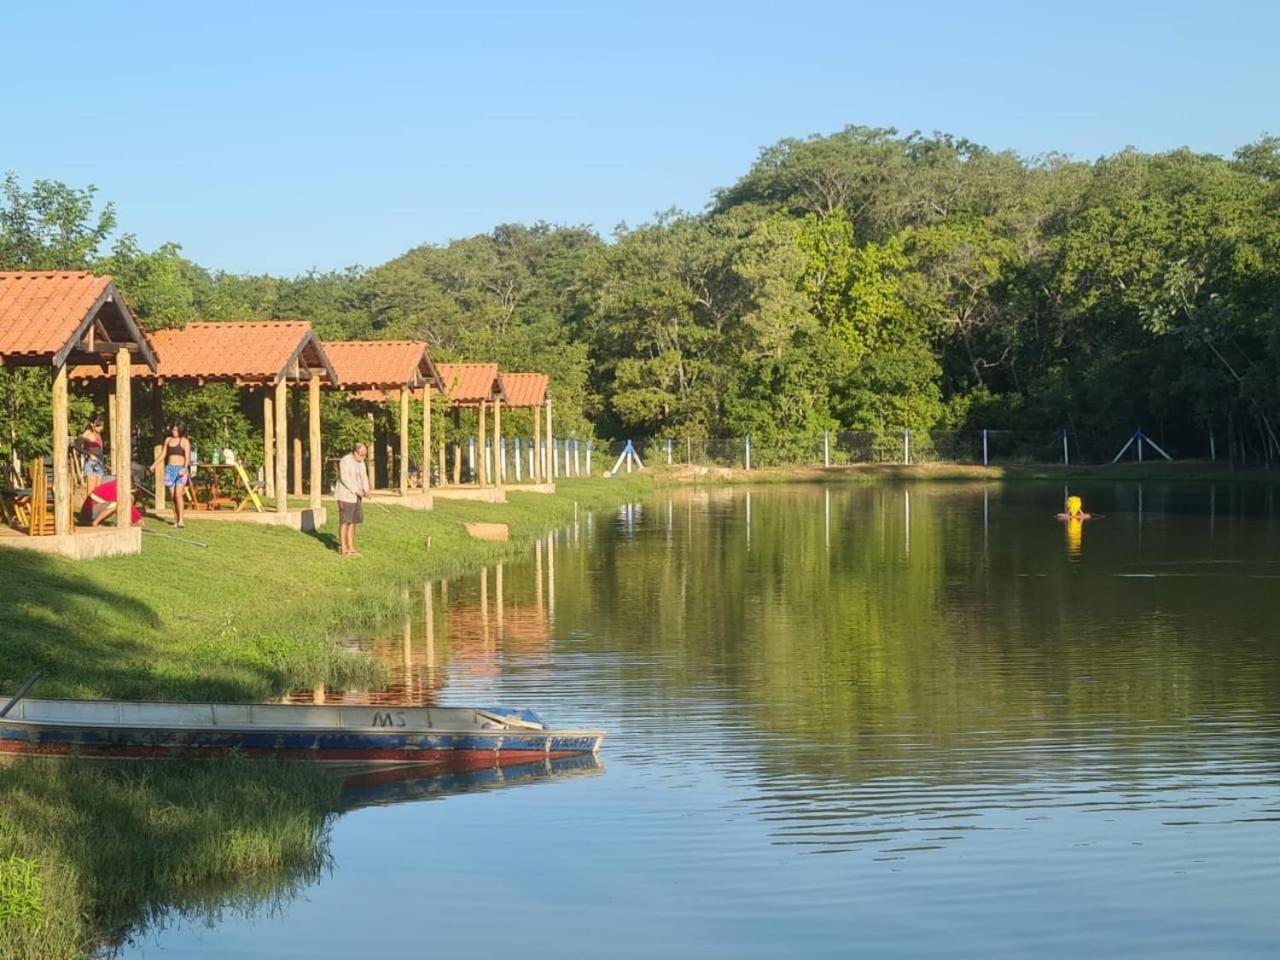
{"x": 377, "y": 370}
{"x": 269, "y": 356}
{"x": 477, "y": 386}
{"x": 530, "y": 391}
{"x": 58, "y": 319}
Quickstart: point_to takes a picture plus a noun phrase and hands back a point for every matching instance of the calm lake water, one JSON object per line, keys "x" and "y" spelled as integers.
{"x": 883, "y": 721}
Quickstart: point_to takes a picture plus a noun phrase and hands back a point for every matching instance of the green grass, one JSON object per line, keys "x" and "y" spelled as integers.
{"x": 259, "y": 611}
{"x": 90, "y": 853}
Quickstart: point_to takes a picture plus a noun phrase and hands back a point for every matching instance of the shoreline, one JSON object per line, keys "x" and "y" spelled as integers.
{"x": 259, "y": 611}
{"x": 1180, "y": 472}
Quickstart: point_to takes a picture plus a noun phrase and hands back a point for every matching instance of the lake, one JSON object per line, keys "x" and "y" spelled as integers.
{"x": 890, "y": 721}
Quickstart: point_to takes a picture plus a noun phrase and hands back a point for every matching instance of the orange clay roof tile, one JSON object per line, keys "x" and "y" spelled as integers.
{"x": 525, "y": 389}
{"x": 41, "y": 311}
{"x": 254, "y": 351}
{"x": 466, "y": 384}
{"x": 380, "y": 364}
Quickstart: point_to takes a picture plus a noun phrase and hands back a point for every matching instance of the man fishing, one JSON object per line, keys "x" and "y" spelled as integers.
{"x": 351, "y": 489}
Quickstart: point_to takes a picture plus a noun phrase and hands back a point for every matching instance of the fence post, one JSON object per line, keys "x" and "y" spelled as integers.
{"x": 688, "y": 450}
{"x": 906, "y": 447}
{"x": 1213, "y": 450}
{"x": 589, "y": 458}
{"x": 669, "y": 442}
{"x": 746, "y": 450}
{"x": 826, "y": 448}
{"x": 984, "y": 446}
{"x": 1066, "y": 457}
{"x": 471, "y": 459}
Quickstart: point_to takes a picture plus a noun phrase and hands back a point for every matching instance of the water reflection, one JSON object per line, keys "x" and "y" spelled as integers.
{"x": 973, "y": 717}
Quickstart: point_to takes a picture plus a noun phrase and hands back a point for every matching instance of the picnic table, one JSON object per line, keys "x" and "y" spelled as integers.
{"x": 227, "y": 485}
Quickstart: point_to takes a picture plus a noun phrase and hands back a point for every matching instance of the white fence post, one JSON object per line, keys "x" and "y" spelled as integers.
{"x": 746, "y": 450}
{"x": 906, "y": 447}
{"x": 589, "y": 458}
{"x": 826, "y": 448}
{"x": 669, "y": 442}
{"x": 1066, "y": 457}
{"x": 984, "y": 446}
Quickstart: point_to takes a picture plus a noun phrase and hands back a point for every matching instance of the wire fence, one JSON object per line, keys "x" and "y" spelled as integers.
{"x": 835, "y": 449}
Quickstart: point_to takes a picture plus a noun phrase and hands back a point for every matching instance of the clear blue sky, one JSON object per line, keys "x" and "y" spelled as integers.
{"x": 277, "y": 137}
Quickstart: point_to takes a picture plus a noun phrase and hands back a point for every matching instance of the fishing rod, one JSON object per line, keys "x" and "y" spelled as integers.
{"x": 169, "y": 536}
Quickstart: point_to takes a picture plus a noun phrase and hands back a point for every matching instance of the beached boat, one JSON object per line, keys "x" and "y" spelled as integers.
{"x": 346, "y": 734}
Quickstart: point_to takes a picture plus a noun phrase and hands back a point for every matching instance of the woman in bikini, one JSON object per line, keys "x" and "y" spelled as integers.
{"x": 176, "y": 454}
{"x": 89, "y": 443}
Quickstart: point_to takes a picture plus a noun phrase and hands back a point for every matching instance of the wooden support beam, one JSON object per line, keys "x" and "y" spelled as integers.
{"x": 61, "y": 475}
{"x": 500, "y": 464}
{"x": 295, "y": 401}
{"x": 426, "y": 438}
{"x": 124, "y": 434}
{"x": 268, "y": 443}
{"x": 551, "y": 447}
{"x": 113, "y": 431}
{"x": 317, "y": 454}
{"x": 371, "y": 461}
{"x": 158, "y": 431}
{"x": 444, "y": 473}
{"x": 537, "y": 473}
{"x": 480, "y": 436}
{"x": 404, "y": 442}
{"x": 282, "y": 446}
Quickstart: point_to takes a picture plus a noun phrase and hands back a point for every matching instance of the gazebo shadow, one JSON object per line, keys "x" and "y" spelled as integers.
{"x": 76, "y": 633}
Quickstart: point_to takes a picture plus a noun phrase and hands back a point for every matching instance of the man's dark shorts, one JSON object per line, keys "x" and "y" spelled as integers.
{"x": 350, "y": 512}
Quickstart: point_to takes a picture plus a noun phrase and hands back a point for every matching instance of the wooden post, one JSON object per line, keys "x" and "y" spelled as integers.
{"x": 61, "y": 476}
{"x": 282, "y": 445}
{"x": 158, "y": 431}
{"x": 551, "y": 449}
{"x": 268, "y": 445}
{"x": 426, "y": 438}
{"x": 123, "y": 433}
{"x": 444, "y": 474}
{"x": 457, "y": 464}
{"x": 519, "y": 452}
{"x": 313, "y": 438}
{"x": 296, "y": 402}
{"x": 499, "y": 473}
{"x": 537, "y": 474}
{"x": 480, "y": 436}
{"x": 371, "y": 461}
{"x": 113, "y": 429}
{"x": 404, "y": 442}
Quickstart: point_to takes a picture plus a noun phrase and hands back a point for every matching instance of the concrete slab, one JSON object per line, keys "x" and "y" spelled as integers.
{"x": 86, "y": 543}
{"x": 488, "y": 531}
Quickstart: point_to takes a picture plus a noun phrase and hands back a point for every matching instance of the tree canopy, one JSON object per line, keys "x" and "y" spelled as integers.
{"x": 866, "y": 280}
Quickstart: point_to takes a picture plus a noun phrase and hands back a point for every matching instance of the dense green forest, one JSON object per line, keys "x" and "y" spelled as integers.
{"x": 864, "y": 281}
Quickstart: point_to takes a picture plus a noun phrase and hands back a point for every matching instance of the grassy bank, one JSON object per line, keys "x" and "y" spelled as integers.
{"x": 92, "y": 853}
{"x": 258, "y": 611}
{"x": 1182, "y": 472}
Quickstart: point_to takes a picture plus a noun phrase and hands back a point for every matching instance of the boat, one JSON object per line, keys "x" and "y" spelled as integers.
{"x": 467, "y": 736}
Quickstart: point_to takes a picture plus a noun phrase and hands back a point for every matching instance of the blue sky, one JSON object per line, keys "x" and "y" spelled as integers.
{"x": 279, "y": 136}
